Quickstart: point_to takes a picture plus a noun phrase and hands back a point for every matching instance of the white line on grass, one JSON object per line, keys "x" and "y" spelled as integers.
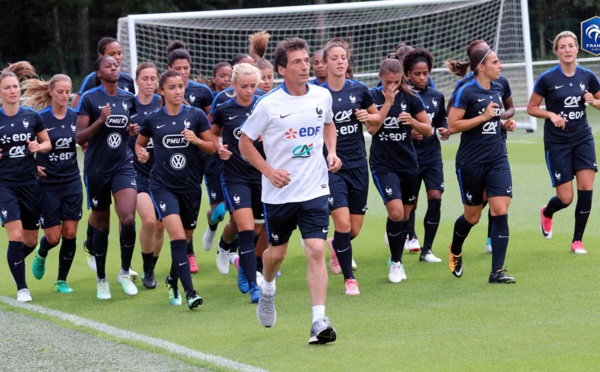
{"x": 131, "y": 336}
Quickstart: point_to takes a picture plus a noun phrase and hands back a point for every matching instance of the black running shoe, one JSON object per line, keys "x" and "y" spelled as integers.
{"x": 501, "y": 277}
{"x": 149, "y": 281}
{"x": 322, "y": 332}
{"x": 455, "y": 264}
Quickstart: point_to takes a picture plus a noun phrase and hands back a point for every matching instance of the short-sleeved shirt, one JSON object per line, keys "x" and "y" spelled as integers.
{"x": 563, "y": 96}
{"x": 178, "y": 165}
{"x": 107, "y": 150}
{"x": 230, "y": 116}
{"x": 429, "y": 150}
{"x": 125, "y": 82}
{"x": 483, "y": 143}
{"x": 392, "y": 148}
{"x": 353, "y": 96}
{"x": 198, "y": 95}
{"x": 61, "y": 162}
{"x": 143, "y": 169}
{"x": 17, "y": 164}
{"x": 292, "y": 132}
{"x": 226, "y": 94}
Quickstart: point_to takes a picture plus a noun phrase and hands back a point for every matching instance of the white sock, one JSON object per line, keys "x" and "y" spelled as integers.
{"x": 318, "y": 312}
{"x": 268, "y": 288}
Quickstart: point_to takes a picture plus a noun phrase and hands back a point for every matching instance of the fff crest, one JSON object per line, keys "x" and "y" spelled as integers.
{"x": 590, "y": 36}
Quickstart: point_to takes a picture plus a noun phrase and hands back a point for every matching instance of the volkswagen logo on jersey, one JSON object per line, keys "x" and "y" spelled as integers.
{"x": 114, "y": 140}
{"x": 178, "y": 161}
{"x": 173, "y": 141}
{"x": 302, "y": 151}
{"x": 116, "y": 121}
{"x": 590, "y": 36}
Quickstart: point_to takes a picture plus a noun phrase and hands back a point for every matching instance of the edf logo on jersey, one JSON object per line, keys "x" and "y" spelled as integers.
{"x": 302, "y": 132}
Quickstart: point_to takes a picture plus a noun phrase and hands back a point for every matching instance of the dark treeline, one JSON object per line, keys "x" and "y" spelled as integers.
{"x": 61, "y": 35}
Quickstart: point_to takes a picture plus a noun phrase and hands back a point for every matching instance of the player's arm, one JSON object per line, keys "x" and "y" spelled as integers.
{"x": 534, "y": 109}
{"x": 330, "y": 138}
{"x": 85, "y": 131}
{"x": 456, "y": 123}
{"x": 369, "y": 116}
{"x": 420, "y": 122}
{"x": 509, "y": 109}
{"x": 278, "y": 177}
{"x": 592, "y": 99}
{"x": 42, "y": 144}
{"x": 140, "y": 148}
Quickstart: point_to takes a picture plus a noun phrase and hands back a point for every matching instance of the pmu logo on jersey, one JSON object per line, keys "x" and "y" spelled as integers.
{"x": 178, "y": 161}
{"x": 173, "y": 141}
{"x": 116, "y": 121}
{"x": 237, "y": 133}
{"x": 590, "y": 36}
{"x": 302, "y": 151}
{"x": 114, "y": 140}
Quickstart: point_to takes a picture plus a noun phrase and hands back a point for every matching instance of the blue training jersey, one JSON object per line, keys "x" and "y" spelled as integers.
{"x": 143, "y": 169}
{"x": 61, "y": 162}
{"x": 350, "y": 146}
{"x": 107, "y": 150}
{"x": 198, "y": 95}
{"x": 563, "y": 95}
{"x": 429, "y": 149}
{"x": 392, "y": 148}
{"x": 226, "y": 95}
{"x": 17, "y": 164}
{"x": 178, "y": 164}
{"x": 125, "y": 82}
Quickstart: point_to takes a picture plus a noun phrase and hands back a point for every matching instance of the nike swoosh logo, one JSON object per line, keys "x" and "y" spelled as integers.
{"x": 433, "y": 223}
{"x": 49, "y": 129}
{"x": 480, "y": 100}
{"x": 395, "y": 234}
{"x": 233, "y": 117}
{"x": 284, "y": 116}
{"x": 503, "y": 237}
{"x": 160, "y": 126}
{"x": 182, "y": 263}
{"x": 584, "y": 212}
{"x": 509, "y": 191}
{"x": 412, "y": 198}
{"x": 379, "y": 106}
{"x": 459, "y": 273}
{"x": 243, "y": 253}
{"x": 325, "y": 231}
{"x": 134, "y": 115}
{"x": 2, "y": 127}
{"x": 16, "y": 263}
{"x": 342, "y": 251}
{"x": 558, "y": 86}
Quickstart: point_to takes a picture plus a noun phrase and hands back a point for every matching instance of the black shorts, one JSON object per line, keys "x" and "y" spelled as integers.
{"x": 311, "y": 217}
{"x": 142, "y": 183}
{"x": 60, "y": 204}
{"x": 214, "y": 188}
{"x": 493, "y": 179}
{"x": 564, "y": 163}
{"x": 432, "y": 175}
{"x": 239, "y": 194}
{"x": 20, "y": 203}
{"x": 100, "y": 188}
{"x": 349, "y": 188}
{"x": 396, "y": 185}
{"x": 184, "y": 204}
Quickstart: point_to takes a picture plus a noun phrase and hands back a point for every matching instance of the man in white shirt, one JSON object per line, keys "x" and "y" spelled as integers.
{"x": 295, "y": 120}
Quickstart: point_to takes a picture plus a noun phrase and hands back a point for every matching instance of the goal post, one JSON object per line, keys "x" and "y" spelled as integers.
{"x": 373, "y": 28}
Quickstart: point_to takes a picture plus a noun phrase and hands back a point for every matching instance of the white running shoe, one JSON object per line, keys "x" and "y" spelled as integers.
{"x": 488, "y": 246}
{"x": 133, "y": 274}
{"x": 412, "y": 245}
{"x": 223, "y": 261}
{"x": 91, "y": 260}
{"x": 385, "y": 239}
{"x": 231, "y": 256}
{"x": 103, "y": 292}
{"x": 397, "y": 273}
{"x": 354, "y": 265}
{"x": 208, "y": 238}
{"x": 429, "y": 257}
{"x": 23, "y": 295}
{"x": 259, "y": 279}
{"x": 127, "y": 283}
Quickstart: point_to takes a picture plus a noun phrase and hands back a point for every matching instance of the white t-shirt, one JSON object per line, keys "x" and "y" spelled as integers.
{"x": 292, "y": 134}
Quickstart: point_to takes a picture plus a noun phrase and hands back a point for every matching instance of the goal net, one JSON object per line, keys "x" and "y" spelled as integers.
{"x": 373, "y": 29}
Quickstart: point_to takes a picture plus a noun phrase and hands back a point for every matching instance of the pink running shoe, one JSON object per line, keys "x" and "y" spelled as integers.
{"x": 546, "y": 224}
{"x": 334, "y": 264}
{"x": 577, "y": 247}
{"x": 193, "y": 264}
{"x": 351, "y": 287}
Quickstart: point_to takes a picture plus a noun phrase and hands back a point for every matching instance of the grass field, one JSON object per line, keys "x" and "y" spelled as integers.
{"x": 431, "y": 321}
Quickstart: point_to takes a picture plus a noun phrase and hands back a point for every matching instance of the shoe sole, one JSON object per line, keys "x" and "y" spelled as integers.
{"x": 197, "y": 302}
{"x": 325, "y": 336}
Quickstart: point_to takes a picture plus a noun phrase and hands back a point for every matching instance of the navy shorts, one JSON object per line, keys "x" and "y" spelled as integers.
{"x": 100, "y": 188}
{"x": 432, "y": 175}
{"x": 493, "y": 179}
{"x": 240, "y": 194}
{"x": 311, "y": 217}
{"x": 184, "y": 204}
{"x": 349, "y": 188}
{"x": 396, "y": 185}
{"x": 214, "y": 188}
{"x": 20, "y": 203}
{"x": 564, "y": 163}
{"x": 60, "y": 204}
{"x": 142, "y": 183}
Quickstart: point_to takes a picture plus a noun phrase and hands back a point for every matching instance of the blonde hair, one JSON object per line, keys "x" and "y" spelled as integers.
{"x": 259, "y": 41}
{"x": 244, "y": 69}
{"x": 18, "y": 70}
{"x": 37, "y": 92}
{"x": 562, "y": 35}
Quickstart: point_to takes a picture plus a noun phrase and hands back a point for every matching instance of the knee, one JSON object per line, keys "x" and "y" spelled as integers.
{"x": 566, "y": 199}
{"x": 128, "y": 219}
{"x": 53, "y": 238}
{"x": 473, "y": 219}
{"x": 396, "y": 216}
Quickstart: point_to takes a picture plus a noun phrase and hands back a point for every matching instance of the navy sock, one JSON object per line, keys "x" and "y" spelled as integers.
{"x": 343, "y": 251}
{"x": 45, "y": 247}
{"x": 213, "y": 227}
{"x": 499, "y": 238}
{"x": 127, "y": 239}
{"x": 554, "y": 205}
{"x": 582, "y": 212}
{"x": 410, "y": 225}
{"x": 100, "y": 243}
{"x": 27, "y": 250}
{"x": 90, "y": 238}
{"x": 396, "y": 236}
{"x": 224, "y": 245}
{"x": 154, "y": 260}
{"x": 148, "y": 262}
{"x": 190, "y": 247}
{"x": 65, "y": 259}
{"x": 181, "y": 263}
{"x": 247, "y": 255}
{"x": 489, "y": 233}
{"x": 431, "y": 222}
{"x": 462, "y": 227}
{"x": 16, "y": 263}
{"x": 259, "y": 264}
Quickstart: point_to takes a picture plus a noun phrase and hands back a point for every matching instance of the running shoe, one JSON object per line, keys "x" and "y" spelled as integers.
{"x": 545, "y": 224}
{"x": 428, "y": 256}
{"x": 413, "y": 245}
{"x": 62, "y": 287}
{"x": 577, "y": 247}
{"x": 455, "y": 265}
{"x": 91, "y": 260}
{"x": 218, "y": 214}
{"x": 321, "y": 332}
{"x": 23, "y": 295}
{"x": 208, "y": 239}
{"x": 174, "y": 294}
{"x": 259, "y": 278}
{"x": 334, "y": 264}
{"x": 193, "y": 264}
{"x": 354, "y": 265}
{"x": 386, "y": 240}
{"x": 149, "y": 280}
{"x": 254, "y": 293}
{"x": 501, "y": 277}
{"x": 488, "y": 246}
{"x": 127, "y": 283}
{"x": 103, "y": 292}
{"x": 133, "y": 274}
{"x": 222, "y": 261}
{"x": 267, "y": 315}
{"x": 39, "y": 266}
{"x": 243, "y": 284}
{"x": 397, "y": 273}
{"x": 193, "y": 300}
{"x": 351, "y": 287}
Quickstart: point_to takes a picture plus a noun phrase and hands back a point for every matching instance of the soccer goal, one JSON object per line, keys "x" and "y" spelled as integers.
{"x": 373, "y": 28}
